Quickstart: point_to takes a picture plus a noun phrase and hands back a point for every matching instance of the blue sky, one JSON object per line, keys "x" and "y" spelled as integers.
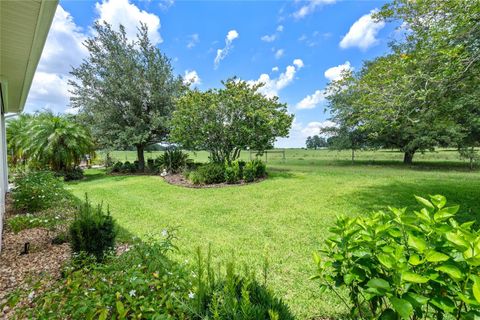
{"x": 294, "y": 47}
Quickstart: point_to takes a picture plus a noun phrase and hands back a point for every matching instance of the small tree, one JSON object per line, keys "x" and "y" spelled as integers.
{"x": 126, "y": 90}
{"x": 344, "y": 138}
{"x": 225, "y": 121}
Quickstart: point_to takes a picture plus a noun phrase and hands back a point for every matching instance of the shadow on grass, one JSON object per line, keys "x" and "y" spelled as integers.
{"x": 399, "y": 195}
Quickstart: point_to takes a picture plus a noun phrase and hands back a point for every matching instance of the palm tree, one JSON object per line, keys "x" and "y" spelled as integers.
{"x": 17, "y": 138}
{"x": 58, "y": 142}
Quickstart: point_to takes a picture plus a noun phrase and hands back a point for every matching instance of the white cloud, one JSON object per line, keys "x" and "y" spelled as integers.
{"x": 191, "y": 78}
{"x": 63, "y": 50}
{"x": 310, "y": 7}
{"x": 222, "y": 53}
{"x": 335, "y": 73}
{"x": 193, "y": 39}
{"x": 272, "y": 86}
{"x": 314, "y": 127}
{"x": 362, "y": 33}
{"x": 117, "y": 12}
{"x": 279, "y": 53}
{"x": 311, "y": 101}
{"x": 269, "y": 38}
{"x": 166, "y": 4}
{"x": 280, "y": 28}
{"x": 275, "y": 69}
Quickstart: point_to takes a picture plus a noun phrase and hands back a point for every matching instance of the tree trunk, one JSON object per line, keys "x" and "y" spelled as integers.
{"x": 141, "y": 158}
{"x": 353, "y": 155}
{"x": 408, "y": 157}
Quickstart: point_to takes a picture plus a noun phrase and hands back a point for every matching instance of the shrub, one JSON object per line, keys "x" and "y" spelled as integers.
{"x": 117, "y": 167}
{"x": 232, "y": 172}
{"x": 92, "y": 231}
{"x": 37, "y": 190}
{"x": 211, "y": 173}
{"x": 128, "y": 167}
{"x": 151, "y": 166}
{"x": 249, "y": 172}
{"x": 259, "y": 169}
{"x": 195, "y": 177}
{"x": 402, "y": 264}
{"x": 27, "y": 221}
{"x": 173, "y": 160}
{"x": 73, "y": 174}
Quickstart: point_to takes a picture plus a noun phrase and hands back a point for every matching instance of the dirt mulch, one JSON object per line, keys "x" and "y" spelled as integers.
{"x": 180, "y": 180}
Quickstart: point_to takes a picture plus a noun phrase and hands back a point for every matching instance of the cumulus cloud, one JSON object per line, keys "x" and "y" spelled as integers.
{"x": 272, "y": 37}
{"x": 362, "y": 33}
{"x": 314, "y": 127}
{"x": 310, "y": 7}
{"x": 117, "y": 12}
{"x": 335, "y": 73}
{"x": 191, "y": 78}
{"x": 279, "y": 53}
{"x": 275, "y": 69}
{"x": 222, "y": 53}
{"x": 63, "y": 50}
{"x": 193, "y": 40}
{"x": 272, "y": 86}
{"x": 311, "y": 101}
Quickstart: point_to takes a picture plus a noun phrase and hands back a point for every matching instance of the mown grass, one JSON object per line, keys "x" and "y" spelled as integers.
{"x": 287, "y": 216}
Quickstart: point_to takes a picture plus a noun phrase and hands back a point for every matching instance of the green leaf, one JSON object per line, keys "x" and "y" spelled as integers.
{"x": 476, "y": 289}
{"x": 458, "y": 240}
{"x": 120, "y": 309}
{"x": 388, "y": 314}
{"x": 402, "y": 306}
{"x": 424, "y": 202}
{"x": 413, "y": 277}
{"x": 417, "y": 243}
{"x": 416, "y": 299}
{"x": 415, "y": 260}
{"x": 443, "y": 303}
{"x": 445, "y": 213}
{"x": 451, "y": 270}
{"x": 435, "y": 256}
{"x": 378, "y": 283}
{"x": 387, "y": 260}
{"x": 438, "y": 200}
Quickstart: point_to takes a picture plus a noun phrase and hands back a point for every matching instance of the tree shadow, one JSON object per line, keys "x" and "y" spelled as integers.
{"x": 280, "y": 173}
{"x": 401, "y": 194}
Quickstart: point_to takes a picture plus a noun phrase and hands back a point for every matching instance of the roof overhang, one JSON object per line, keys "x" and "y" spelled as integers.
{"x": 24, "y": 27}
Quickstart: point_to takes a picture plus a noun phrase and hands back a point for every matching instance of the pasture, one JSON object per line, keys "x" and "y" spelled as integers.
{"x": 286, "y": 217}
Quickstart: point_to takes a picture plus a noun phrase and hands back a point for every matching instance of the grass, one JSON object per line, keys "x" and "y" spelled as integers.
{"x": 287, "y": 216}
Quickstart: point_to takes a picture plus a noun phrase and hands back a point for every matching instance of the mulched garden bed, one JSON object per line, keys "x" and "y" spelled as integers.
{"x": 180, "y": 180}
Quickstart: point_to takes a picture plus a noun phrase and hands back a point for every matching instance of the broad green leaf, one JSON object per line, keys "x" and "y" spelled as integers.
{"x": 476, "y": 289}
{"x": 416, "y": 299}
{"x": 387, "y": 260}
{"x": 443, "y": 303}
{"x": 417, "y": 243}
{"x": 120, "y": 309}
{"x": 402, "y": 306}
{"x": 445, "y": 213}
{"x": 438, "y": 200}
{"x": 424, "y": 215}
{"x": 413, "y": 277}
{"x": 424, "y": 202}
{"x": 415, "y": 260}
{"x": 458, "y": 240}
{"x": 388, "y": 314}
{"x": 378, "y": 283}
{"x": 451, "y": 270}
{"x": 435, "y": 256}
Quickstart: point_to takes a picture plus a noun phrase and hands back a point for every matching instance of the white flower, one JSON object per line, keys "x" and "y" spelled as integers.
{"x": 164, "y": 233}
{"x": 132, "y": 293}
{"x": 31, "y": 295}
{"x": 191, "y": 295}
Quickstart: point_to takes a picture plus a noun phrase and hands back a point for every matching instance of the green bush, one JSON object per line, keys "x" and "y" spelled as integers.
{"x": 195, "y": 177}
{"x": 92, "y": 231}
{"x": 151, "y": 166}
{"x": 73, "y": 174}
{"x": 232, "y": 172}
{"x": 259, "y": 168}
{"x": 402, "y": 264}
{"x": 117, "y": 167}
{"x": 128, "y": 167}
{"x": 28, "y": 221}
{"x": 173, "y": 160}
{"x": 211, "y": 173}
{"x": 249, "y": 172}
{"x": 37, "y": 190}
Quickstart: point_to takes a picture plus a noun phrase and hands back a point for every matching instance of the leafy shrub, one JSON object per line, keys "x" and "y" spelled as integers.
{"x": 211, "y": 173}
{"x": 195, "y": 177}
{"x": 37, "y": 190}
{"x": 92, "y": 231}
{"x": 401, "y": 264}
{"x": 249, "y": 172}
{"x": 259, "y": 168}
{"x": 117, "y": 167}
{"x": 173, "y": 160}
{"x": 28, "y": 221}
{"x": 232, "y": 172}
{"x": 151, "y": 166}
{"x": 128, "y": 167}
{"x": 73, "y": 174}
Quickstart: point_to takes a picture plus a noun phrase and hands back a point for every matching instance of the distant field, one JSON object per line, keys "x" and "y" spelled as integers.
{"x": 324, "y": 155}
{"x": 286, "y": 217}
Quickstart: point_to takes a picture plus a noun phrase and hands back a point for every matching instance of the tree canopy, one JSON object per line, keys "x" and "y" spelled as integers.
{"x": 125, "y": 90}
{"x": 230, "y": 119}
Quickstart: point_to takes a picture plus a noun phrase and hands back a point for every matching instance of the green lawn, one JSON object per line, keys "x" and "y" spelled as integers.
{"x": 285, "y": 217}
